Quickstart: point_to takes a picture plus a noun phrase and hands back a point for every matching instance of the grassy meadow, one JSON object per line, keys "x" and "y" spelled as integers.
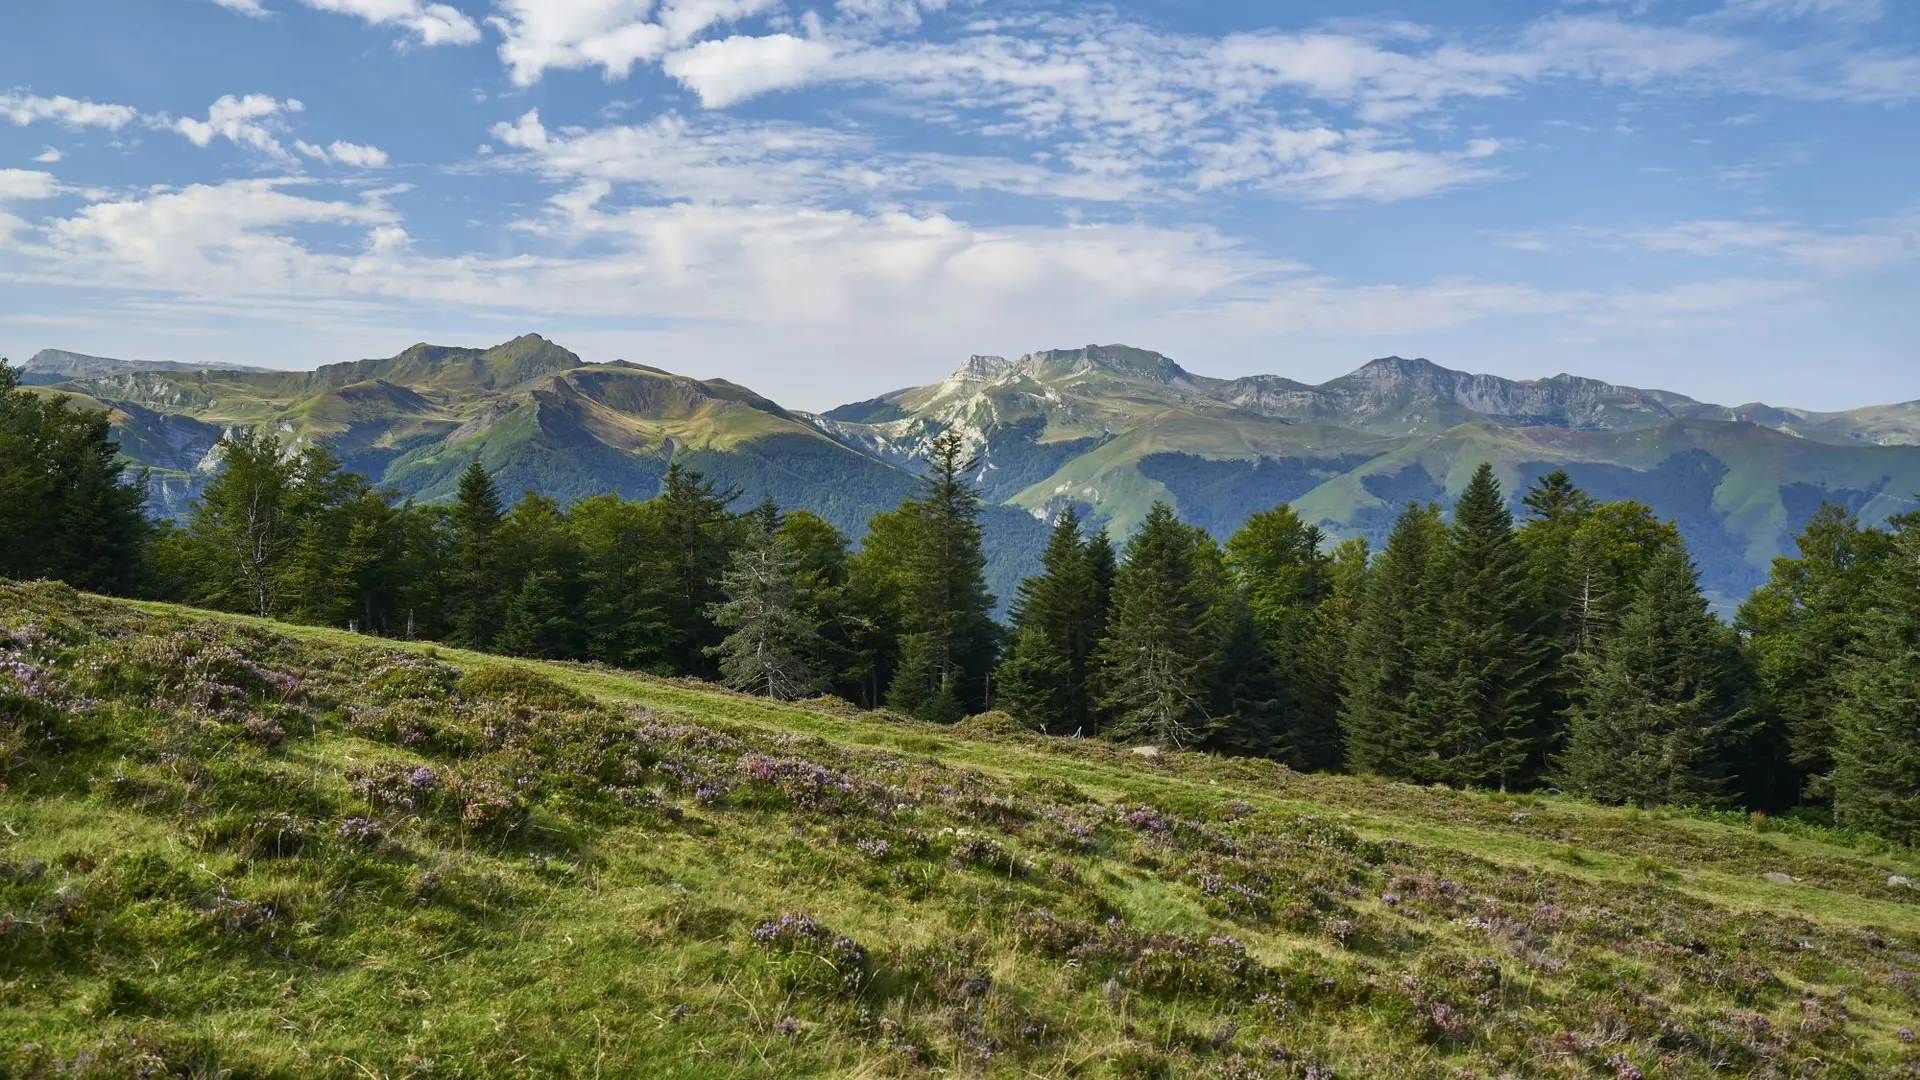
{"x": 230, "y": 847}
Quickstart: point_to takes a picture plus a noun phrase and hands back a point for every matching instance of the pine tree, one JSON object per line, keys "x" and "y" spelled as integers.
{"x": 1284, "y": 578}
{"x": 1152, "y": 661}
{"x": 768, "y": 647}
{"x": 1876, "y": 715}
{"x": 1057, "y": 619}
{"x": 623, "y": 578}
{"x": 539, "y": 619}
{"x": 66, "y": 508}
{"x": 1380, "y": 655}
{"x": 1316, "y": 743}
{"x": 700, "y": 536}
{"x": 1801, "y": 625}
{"x": 474, "y": 594}
{"x": 1475, "y": 696}
{"x": 944, "y": 609}
{"x": 1652, "y": 720}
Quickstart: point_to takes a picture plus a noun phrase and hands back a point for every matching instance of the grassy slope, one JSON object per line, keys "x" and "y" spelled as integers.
{"x": 608, "y": 931}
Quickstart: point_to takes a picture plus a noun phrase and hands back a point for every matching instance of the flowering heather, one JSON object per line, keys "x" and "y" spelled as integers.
{"x": 423, "y": 842}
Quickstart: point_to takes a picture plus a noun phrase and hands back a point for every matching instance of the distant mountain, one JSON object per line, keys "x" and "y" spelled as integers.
{"x": 59, "y": 364}
{"x": 1113, "y": 428}
{"x": 1109, "y": 429}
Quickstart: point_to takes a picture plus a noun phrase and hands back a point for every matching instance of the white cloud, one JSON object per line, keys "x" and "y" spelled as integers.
{"x": 613, "y": 35}
{"x": 1850, "y": 11}
{"x": 737, "y": 68}
{"x": 49, "y": 156}
{"x": 24, "y": 109}
{"x": 434, "y": 24}
{"x": 345, "y": 153}
{"x": 27, "y": 184}
{"x": 1868, "y": 247}
{"x": 253, "y": 121}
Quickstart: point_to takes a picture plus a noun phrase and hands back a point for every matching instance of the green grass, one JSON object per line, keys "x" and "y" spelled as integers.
{"x": 575, "y": 890}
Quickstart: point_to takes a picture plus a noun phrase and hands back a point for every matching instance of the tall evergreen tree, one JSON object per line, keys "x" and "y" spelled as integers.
{"x": 475, "y": 593}
{"x": 1653, "y": 720}
{"x": 1284, "y": 578}
{"x": 66, "y": 508}
{"x": 1876, "y": 716}
{"x": 769, "y": 644}
{"x": 624, "y": 580}
{"x": 1475, "y": 699}
{"x": 1057, "y": 619}
{"x": 1320, "y": 745}
{"x": 948, "y": 637}
{"x": 1380, "y": 654}
{"x": 1803, "y": 622}
{"x": 1254, "y": 710}
{"x": 1153, "y": 663}
{"x": 540, "y": 571}
{"x": 700, "y": 535}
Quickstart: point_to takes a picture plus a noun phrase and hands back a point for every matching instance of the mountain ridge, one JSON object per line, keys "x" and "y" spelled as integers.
{"x": 1106, "y": 428}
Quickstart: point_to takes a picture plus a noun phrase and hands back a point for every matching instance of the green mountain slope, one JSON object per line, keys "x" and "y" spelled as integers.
{"x": 1110, "y": 429}
{"x": 245, "y": 849}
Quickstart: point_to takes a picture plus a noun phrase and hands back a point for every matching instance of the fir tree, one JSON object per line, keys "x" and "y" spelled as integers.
{"x": 1802, "y": 624}
{"x": 944, "y": 609}
{"x": 1153, "y": 666}
{"x": 1876, "y": 715}
{"x": 1057, "y": 619}
{"x": 1652, "y": 720}
{"x": 66, "y": 509}
{"x": 539, "y": 619}
{"x": 699, "y": 536}
{"x": 474, "y": 577}
{"x": 1475, "y": 695}
{"x": 1316, "y": 743}
{"x": 769, "y": 642}
{"x": 1380, "y": 654}
{"x": 1284, "y": 577}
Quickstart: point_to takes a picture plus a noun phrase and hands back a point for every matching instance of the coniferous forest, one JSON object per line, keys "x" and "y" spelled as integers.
{"x": 1536, "y": 640}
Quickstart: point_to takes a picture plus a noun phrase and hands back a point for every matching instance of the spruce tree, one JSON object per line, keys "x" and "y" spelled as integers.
{"x": 1653, "y": 720}
{"x": 944, "y": 609}
{"x": 770, "y": 643}
{"x": 1153, "y": 665}
{"x": 1876, "y": 714}
{"x": 1284, "y": 577}
{"x": 66, "y": 508}
{"x": 474, "y": 594}
{"x": 1380, "y": 655}
{"x": 1317, "y": 743}
{"x": 699, "y": 536}
{"x": 1802, "y": 624}
{"x": 1475, "y": 700}
{"x": 1057, "y": 619}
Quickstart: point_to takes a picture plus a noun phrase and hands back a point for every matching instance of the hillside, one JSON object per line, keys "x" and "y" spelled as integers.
{"x": 1113, "y": 428}
{"x": 248, "y": 849}
{"x": 1110, "y": 429}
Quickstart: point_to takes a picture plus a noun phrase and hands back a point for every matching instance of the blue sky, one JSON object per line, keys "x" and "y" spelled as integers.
{"x": 826, "y": 200}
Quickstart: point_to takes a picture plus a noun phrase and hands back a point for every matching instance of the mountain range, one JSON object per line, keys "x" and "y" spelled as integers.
{"x": 1108, "y": 429}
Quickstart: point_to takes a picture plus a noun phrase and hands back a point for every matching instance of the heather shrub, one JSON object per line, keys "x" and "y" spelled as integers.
{"x": 518, "y": 686}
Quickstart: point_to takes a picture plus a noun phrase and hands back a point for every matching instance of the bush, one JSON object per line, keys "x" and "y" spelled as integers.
{"x": 519, "y": 686}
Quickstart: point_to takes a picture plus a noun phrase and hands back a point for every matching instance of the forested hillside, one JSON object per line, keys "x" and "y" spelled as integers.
{"x": 1109, "y": 430}
{"x": 681, "y": 787}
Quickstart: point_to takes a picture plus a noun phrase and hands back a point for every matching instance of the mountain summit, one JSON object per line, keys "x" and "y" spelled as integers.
{"x": 1106, "y": 428}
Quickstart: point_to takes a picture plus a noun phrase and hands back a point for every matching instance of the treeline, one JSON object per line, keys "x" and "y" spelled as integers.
{"x": 1570, "y": 649}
